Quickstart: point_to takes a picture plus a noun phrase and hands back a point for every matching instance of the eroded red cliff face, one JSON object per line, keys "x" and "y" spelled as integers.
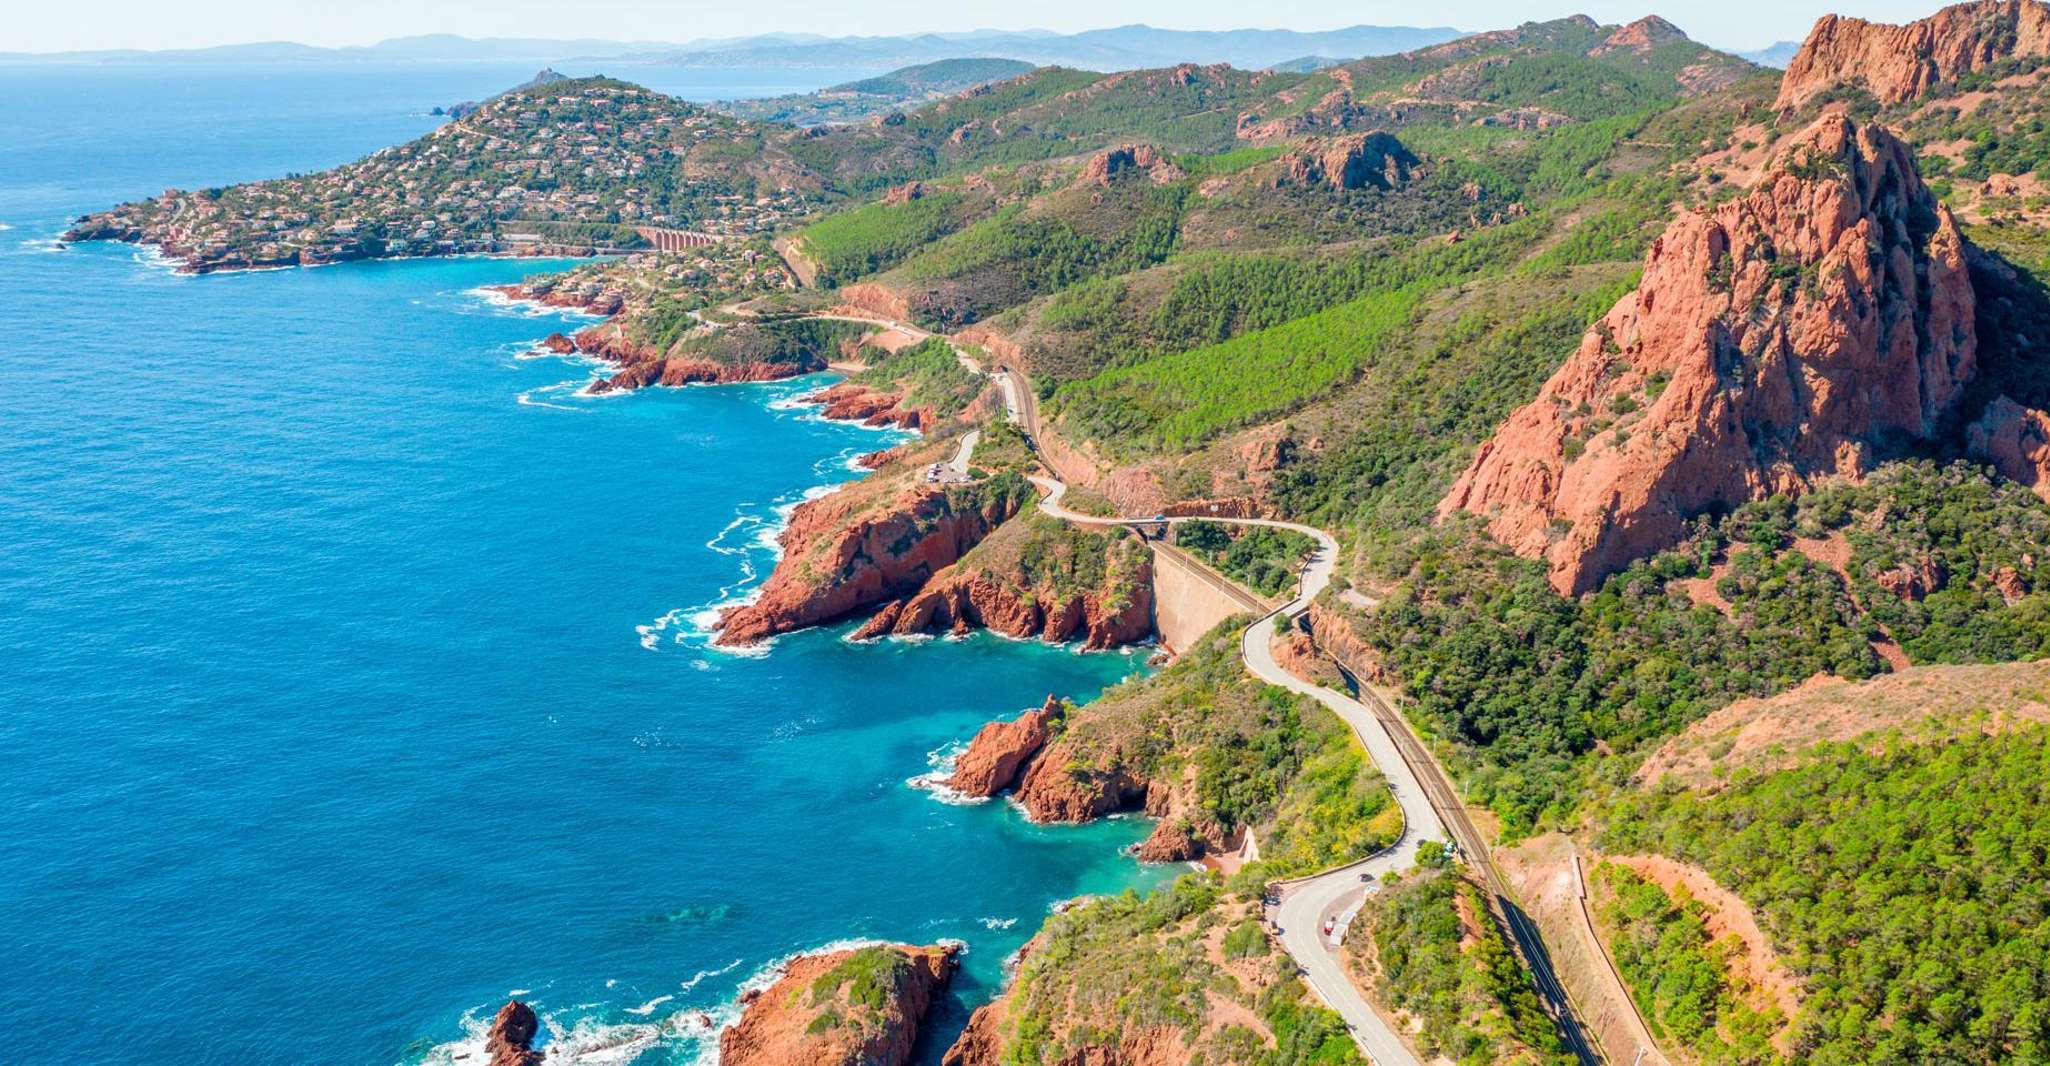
{"x": 807, "y": 1018}
{"x": 1791, "y": 334}
{"x": 1900, "y": 63}
{"x": 839, "y": 558}
{"x": 960, "y": 600}
{"x": 998, "y": 755}
{"x": 850, "y": 402}
{"x": 2016, "y": 440}
{"x": 641, "y": 366}
{"x": 1061, "y": 787}
{"x": 1354, "y": 161}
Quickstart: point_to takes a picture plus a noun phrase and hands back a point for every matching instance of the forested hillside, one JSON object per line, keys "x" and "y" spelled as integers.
{"x": 1641, "y": 387}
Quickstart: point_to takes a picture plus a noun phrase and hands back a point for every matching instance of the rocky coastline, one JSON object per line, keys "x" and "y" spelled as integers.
{"x": 843, "y": 553}
{"x": 862, "y": 1006}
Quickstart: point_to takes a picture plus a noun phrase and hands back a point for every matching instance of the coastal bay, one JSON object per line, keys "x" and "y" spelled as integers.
{"x": 372, "y": 692}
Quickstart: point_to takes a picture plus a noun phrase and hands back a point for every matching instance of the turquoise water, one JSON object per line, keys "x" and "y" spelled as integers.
{"x": 350, "y": 670}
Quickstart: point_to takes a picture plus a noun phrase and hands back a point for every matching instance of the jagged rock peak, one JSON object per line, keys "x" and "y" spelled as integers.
{"x": 1900, "y": 63}
{"x": 1352, "y": 162}
{"x": 1800, "y": 331}
{"x": 1643, "y": 35}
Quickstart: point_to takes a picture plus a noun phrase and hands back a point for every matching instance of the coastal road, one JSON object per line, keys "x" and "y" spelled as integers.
{"x": 1306, "y": 902}
{"x": 1430, "y": 805}
{"x": 965, "y": 452}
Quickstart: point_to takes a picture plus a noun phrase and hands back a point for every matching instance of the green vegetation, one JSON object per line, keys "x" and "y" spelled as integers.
{"x": 1436, "y": 396}
{"x": 869, "y": 976}
{"x": 807, "y": 341}
{"x": 855, "y": 243}
{"x": 1130, "y": 967}
{"x": 1255, "y": 755}
{"x": 1227, "y": 162}
{"x": 1905, "y": 883}
{"x": 1262, "y": 559}
{"x": 1439, "y": 956}
{"x": 1680, "y": 975}
{"x": 1018, "y": 254}
{"x": 1182, "y": 400}
{"x": 927, "y": 375}
{"x": 1523, "y": 683}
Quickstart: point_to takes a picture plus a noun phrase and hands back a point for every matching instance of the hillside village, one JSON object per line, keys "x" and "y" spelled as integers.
{"x": 563, "y": 168}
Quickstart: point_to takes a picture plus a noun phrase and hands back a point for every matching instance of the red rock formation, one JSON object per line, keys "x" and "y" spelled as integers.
{"x": 872, "y": 298}
{"x": 559, "y": 344}
{"x": 1060, "y": 788}
{"x": 998, "y": 755}
{"x": 1181, "y": 839}
{"x": 1643, "y": 35}
{"x": 836, "y": 562}
{"x": 1105, "y": 166}
{"x": 849, "y": 402}
{"x": 1354, "y": 162}
{"x": 905, "y": 193}
{"x": 594, "y": 301}
{"x": 1336, "y": 638}
{"x": 2016, "y": 440}
{"x": 807, "y": 1019}
{"x": 1778, "y": 338}
{"x": 877, "y": 460}
{"x": 1900, "y": 63}
{"x": 960, "y": 600}
{"x": 510, "y": 1040}
{"x": 642, "y": 366}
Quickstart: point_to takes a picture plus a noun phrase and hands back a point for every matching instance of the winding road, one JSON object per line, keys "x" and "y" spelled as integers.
{"x": 1306, "y": 902}
{"x": 1431, "y": 809}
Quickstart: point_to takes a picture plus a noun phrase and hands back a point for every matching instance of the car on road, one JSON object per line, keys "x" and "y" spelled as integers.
{"x": 1329, "y": 925}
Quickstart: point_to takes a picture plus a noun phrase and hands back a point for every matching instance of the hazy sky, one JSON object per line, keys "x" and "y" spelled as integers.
{"x": 43, "y": 26}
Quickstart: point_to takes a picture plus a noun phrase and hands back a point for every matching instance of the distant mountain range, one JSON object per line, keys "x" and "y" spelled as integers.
{"x": 1119, "y": 48}
{"x": 1774, "y": 55}
{"x": 854, "y": 100}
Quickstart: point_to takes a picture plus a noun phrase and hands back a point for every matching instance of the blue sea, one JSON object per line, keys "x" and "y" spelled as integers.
{"x": 352, "y": 671}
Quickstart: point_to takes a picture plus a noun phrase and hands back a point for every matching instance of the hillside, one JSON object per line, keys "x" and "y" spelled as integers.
{"x": 1684, "y": 427}
{"x": 1867, "y": 849}
{"x": 902, "y": 89}
{"x": 563, "y": 167}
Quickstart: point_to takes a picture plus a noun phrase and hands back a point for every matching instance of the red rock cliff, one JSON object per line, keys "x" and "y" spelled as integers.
{"x": 510, "y": 1040}
{"x": 840, "y": 556}
{"x": 1899, "y": 63}
{"x": 959, "y": 600}
{"x": 1787, "y": 335}
{"x": 998, "y": 755}
{"x": 641, "y": 366}
{"x": 820, "y": 1012}
{"x": 2016, "y": 440}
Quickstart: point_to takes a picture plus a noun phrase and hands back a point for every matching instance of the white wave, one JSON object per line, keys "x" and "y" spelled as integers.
{"x": 940, "y": 766}
{"x": 4, "y": 227}
{"x": 502, "y": 303}
{"x": 532, "y": 397}
{"x": 998, "y": 923}
{"x": 686, "y": 986}
{"x": 517, "y": 992}
{"x": 43, "y": 244}
{"x": 648, "y": 1008}
{"x": 651, "y": 633}
{"x": 590, "y": 1042}
{"x": 469, "y": 1048}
